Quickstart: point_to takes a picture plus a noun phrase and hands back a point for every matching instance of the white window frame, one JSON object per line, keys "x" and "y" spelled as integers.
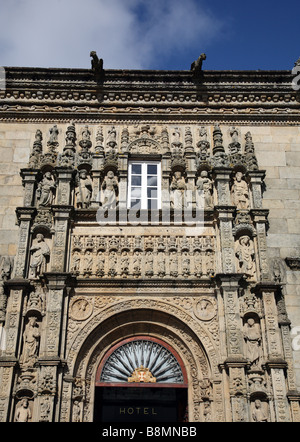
{"x": 144, "y": 175}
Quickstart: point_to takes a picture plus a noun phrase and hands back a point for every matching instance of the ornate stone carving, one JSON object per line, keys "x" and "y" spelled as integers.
{"x": 40, "y": 253}
{"x": 240, "y": 192}
{"x": 46, "y": 190}
{"x": 155, "y": 256}
{"x": 81, "y": 309}
{"x": 23, "y": 411}
{"x": 31, "y": 338}
{"x": 204, "y": 196}
{"x": 178, "y": 188}
{"x": 110, "y": 190}
{"x": 246, "y": 256}
{"x": 253, "y": 340}
{"x": 84, "y": 188}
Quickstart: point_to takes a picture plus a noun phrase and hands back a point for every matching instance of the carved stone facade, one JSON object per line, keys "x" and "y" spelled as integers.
{"x": 193, "y": 279}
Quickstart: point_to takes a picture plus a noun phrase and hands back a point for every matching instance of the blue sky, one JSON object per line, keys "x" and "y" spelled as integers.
{"x": 150, "y": 34}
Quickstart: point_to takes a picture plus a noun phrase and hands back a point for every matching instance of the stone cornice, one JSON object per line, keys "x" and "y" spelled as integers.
{"x": 62, "y": 92}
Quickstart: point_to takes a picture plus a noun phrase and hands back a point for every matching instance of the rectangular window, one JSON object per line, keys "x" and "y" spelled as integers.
{"x": 144, "y": 185}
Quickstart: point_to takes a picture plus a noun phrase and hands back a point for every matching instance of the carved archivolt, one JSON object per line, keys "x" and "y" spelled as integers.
{"x": 133, "y": 317}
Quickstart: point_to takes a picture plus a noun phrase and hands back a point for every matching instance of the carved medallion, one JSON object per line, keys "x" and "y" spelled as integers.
{"x": 205, "y": 309}
{"x": 81, "y": 309}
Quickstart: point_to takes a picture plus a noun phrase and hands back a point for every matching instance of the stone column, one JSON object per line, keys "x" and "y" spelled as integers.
{"x": 64, "y": 180}
{"x": 18, "y": 289}
{"x": 25, "y": 217}
{"x": 225, "y": 212}
{"x": 256, "y": 184}
{"x": 29, "y": 177}
{"x": 52, "y": 346}
{"x": 235, "y": 363}
{"x": 260, "y": 220}
{"x": 276, "y": 363}
{"x": 226, "y": 260}
{"x": 62, "y": 218}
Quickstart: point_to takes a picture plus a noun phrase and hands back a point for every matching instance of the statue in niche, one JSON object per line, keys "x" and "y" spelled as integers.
{"x": 246, "y": 256}
{"x": 198, "y": 263}
{"x": 252, "y": 336}
{"x": 124, "y": 264}
{"x": 185, "y": 264}
{"x": 76, "y": 262}
{"x": 173, "y": 265}
{"x": 40, "y": 252}
{"x": 23, "y": 413}
{"x": 83, "y": 190}
{"x": 88, "y": 263}
{"x": 161, "y": 265}
{"x": 209, "y": 263}
{"x": 100, "y": 264}
{"x": 240, "y": 192}
{"x": 207, "y": 411}
{"x": 204, "y": 191}
{"x": 258, "y": 414}
{"x": 149, "y": 264}
{"x": 31, "y": 337}
{"x": 113, "y": 264}
{"x": 46, "y": 190}
{"x": 178, "y": 188}
{"x": 110, "y": 190}
{"x": 137, "y": 264}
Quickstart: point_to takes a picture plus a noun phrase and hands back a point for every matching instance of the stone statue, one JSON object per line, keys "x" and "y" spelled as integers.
{"x": 124, "y": 264}
{"x": 178, "y": 188}
{"x": 137, "y": 260}
{"x": 258, "y": 414}
{"x": 110, "y": 190}
{"x": 39, "y": 254}
{"x": 52, "y": 143}
{"x": 31, "y": 337}
{"x": 246, "y": 256}
{"x": 240, "y": 192}
{"x": 196, "y": 66}
{"x": 76, "y": 262}
{"x": 83, "y": 190}
{"x": 149, "y": 264}
{"x": 100, "y": 264}
{"x": 45, "y": 190}
{"x": 252, "y": 338}
{"x": 23, "y": 413}
{"x": 97, "y": 65}
{"x": 204, "y": 191}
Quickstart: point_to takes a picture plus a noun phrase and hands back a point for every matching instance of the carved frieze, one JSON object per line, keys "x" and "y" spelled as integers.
{"x": 157, "y": 256}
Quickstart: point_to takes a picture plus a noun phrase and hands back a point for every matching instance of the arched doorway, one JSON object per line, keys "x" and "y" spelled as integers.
{"x": 141, "y": 379}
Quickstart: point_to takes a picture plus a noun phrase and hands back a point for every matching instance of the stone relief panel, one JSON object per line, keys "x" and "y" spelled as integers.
{"x": 143, "y": 256}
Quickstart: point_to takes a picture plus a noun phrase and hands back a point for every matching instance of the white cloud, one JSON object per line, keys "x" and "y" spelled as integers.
{"x": 125, "y": 33}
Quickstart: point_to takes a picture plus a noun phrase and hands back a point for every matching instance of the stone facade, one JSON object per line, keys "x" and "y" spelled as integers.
{"x": 212, "y": 275}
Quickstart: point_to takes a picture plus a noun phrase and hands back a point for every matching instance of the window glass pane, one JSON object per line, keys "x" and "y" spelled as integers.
{"x": 135, "y": 204}
{"x": 152, "y": 204}
{"x": 136, "y": 180}
{"x": 136, "y": 192}
{"x": 152, "y": 169}
{"x": 151, "y": 181}
{"x": 136, "y": 169}
{"x": 152, "y": 192}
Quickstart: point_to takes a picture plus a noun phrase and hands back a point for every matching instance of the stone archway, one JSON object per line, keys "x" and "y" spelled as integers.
{"x": 123, "y": 320}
